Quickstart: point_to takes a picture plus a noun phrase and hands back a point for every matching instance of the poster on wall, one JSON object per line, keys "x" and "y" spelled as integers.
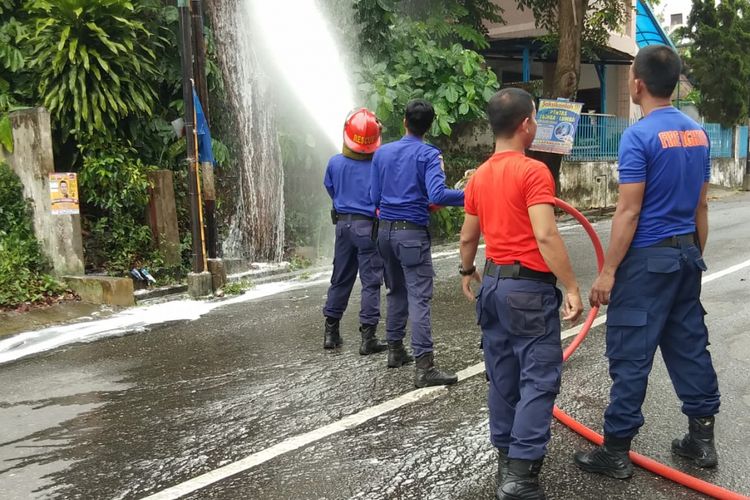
{"x": 557, "y": 122}
{"x": 63, "y": 187}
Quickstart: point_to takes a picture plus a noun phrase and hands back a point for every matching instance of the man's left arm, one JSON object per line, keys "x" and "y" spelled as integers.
{"x": 437, "y": 192}
{"x": 624, "y": 225}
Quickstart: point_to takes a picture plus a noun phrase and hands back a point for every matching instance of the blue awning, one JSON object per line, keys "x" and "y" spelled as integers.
{"x": 647, "y": 28}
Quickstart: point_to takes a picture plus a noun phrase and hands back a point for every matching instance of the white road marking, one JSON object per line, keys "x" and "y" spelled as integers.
{"x": 350, "y": 422}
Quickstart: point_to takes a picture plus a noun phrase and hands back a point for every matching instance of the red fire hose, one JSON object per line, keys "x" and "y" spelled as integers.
{"x": 650, "y": 465}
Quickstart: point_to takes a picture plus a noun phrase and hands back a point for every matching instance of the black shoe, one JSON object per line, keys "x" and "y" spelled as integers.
{"x": 397, "y": 355}
{"x": 611, "y": 459}
{"x": 521, "y": 481}
{"x": 370, "y": 344}
{"x": 332, "y": 337}
{"x": 428, "y": 375}
{"x": 698, "y": 443}
{"x": 502, "y": 466}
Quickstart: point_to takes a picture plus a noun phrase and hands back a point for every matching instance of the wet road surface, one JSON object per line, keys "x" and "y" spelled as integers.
{"x": 128, "y": 416}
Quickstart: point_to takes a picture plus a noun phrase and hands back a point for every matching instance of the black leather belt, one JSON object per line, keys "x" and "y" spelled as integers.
{"x": 677, "y": 241}
{"x": 400, "y": 225}
{"x": 517, "y": 271}
{"x": 351, "y": 217}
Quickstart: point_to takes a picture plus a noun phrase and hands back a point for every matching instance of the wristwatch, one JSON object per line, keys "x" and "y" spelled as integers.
{"x": 466, "y": 272}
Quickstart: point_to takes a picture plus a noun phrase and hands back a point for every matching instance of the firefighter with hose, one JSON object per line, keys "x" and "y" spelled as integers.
{"x": 652, "y": 272}
{"x": 510, "y": 200}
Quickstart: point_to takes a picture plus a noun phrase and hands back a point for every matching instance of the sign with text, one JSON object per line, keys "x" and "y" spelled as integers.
{"x": 557, "y": 122}
{"x": 63, "y": 188}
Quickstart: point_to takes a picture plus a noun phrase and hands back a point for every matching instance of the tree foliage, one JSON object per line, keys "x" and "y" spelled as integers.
{"x": 601, "y": 18}
{"x": 719, "y": 59}
{"x": 419, "y": 56}
{"x": 96, "y": 63}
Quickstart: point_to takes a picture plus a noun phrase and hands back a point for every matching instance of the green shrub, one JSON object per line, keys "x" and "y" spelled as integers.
{"x": 22, "y": 277}
{"x": 114, "y": 189}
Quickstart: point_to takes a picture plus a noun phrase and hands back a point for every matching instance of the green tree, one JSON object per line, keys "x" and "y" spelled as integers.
{"x": 718, "y": 59}
{"x": 575, "y": 27}
{"x": 95, "y": 63}
{"x": 13, "y": 85}
{"x": 419, "y": 56}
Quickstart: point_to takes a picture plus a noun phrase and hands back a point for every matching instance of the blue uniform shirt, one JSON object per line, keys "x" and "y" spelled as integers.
{"x": 407, "y": 176}
{"x": 348, "y": 183}
{"x": 670, "y": 153}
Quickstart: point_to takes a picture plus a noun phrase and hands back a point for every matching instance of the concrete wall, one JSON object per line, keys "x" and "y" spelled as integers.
{"x": 589, "y": 184}
{"x": 594, "y": 184}
{"x": 58, "y": 235}
{"x": 728, "y": 172}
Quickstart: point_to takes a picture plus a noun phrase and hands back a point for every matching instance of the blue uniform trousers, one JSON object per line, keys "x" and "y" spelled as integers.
{"x": 355, "y": 251}
{"x": 520, "y": 323}
{"x": 409, "y": 278}
{"x": 656, "y": 303}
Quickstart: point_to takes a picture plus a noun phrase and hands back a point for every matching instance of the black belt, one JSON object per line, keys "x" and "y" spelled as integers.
{"x": 677, "y": 241}
{"x": 400, "y": 225}
{"x": 517, "y": 271}
{"x": 351, "y": 217}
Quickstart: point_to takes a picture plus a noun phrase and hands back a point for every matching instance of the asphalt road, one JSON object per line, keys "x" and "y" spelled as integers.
{"x": 130, "y": 415}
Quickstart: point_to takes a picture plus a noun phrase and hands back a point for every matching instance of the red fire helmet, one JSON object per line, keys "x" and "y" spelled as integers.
{"x": 362, "y": 131}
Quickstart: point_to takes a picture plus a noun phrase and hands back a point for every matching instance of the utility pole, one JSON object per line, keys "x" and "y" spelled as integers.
{"x": 196, "y": 282}
{"x": 201, "y": 84}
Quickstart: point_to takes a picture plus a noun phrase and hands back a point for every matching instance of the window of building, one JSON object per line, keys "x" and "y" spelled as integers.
{"x": 676, "y": 20}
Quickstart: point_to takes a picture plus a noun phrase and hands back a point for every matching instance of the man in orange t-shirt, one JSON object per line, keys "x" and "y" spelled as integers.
{"x": 510, "y": 200}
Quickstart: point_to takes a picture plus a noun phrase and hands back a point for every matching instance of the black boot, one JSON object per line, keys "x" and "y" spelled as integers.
{"x": 698, "y": 443}
{"x": 370, "y": 345}
{"x": 397, "y": 355}
{"x": 332, "y": 337}
{"x": 611, "y": 459}
{"x": 427, "y": 375}
{"x": 521, "y": 481}
{"x": 502, "y": 466}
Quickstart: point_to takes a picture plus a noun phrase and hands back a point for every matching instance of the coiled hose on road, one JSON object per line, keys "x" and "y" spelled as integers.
{"x": 665, "y": 471}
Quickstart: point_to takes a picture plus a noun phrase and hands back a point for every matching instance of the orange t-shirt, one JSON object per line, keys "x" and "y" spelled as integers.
{"x": 500, "y": 193}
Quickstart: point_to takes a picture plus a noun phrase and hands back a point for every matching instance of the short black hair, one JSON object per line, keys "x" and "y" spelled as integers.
{"x": 419, "y": 116}
{"x": 659, "y": 67}
{"x": 64, "y": 182}
{"x": 507, "y": 109}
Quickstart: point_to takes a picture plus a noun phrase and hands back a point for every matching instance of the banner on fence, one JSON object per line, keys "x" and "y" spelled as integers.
{"x": 63, "y": 188}
{"x": 557, "y": 124}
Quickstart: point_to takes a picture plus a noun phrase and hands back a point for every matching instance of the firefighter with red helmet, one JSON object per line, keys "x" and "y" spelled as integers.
{"x": 347, "y": 180}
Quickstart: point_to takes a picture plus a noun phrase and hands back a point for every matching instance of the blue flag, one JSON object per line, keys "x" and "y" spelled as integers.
{"x": 205, "y": 151}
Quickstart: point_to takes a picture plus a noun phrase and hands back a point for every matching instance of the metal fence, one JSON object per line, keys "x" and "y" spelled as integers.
{"x": 743, "y": 141}
{"x": 598, "y": 138}
{"x": 722, "y": 140}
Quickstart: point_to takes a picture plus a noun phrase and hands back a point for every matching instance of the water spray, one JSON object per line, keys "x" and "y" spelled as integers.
{"x": 313, "y": 66}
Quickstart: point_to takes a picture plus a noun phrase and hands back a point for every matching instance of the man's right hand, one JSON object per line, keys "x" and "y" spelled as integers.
{"x": 572, "y": 306}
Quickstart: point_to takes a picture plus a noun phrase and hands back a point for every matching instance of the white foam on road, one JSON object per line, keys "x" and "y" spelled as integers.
{"x": 134, "y": 320}
{"x": 352, "y": 421}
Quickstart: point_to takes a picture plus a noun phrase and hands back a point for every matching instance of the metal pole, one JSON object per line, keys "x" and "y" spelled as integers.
{"x": 190, "y": 136}
{"x": 201, "y": 83}
{"x": 199, "y": 66}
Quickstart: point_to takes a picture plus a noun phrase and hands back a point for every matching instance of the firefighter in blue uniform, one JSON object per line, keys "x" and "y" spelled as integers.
{"x": 407, "y": 176}
{"x": 652, "y": 272}
{"x": 347, "y": 180}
